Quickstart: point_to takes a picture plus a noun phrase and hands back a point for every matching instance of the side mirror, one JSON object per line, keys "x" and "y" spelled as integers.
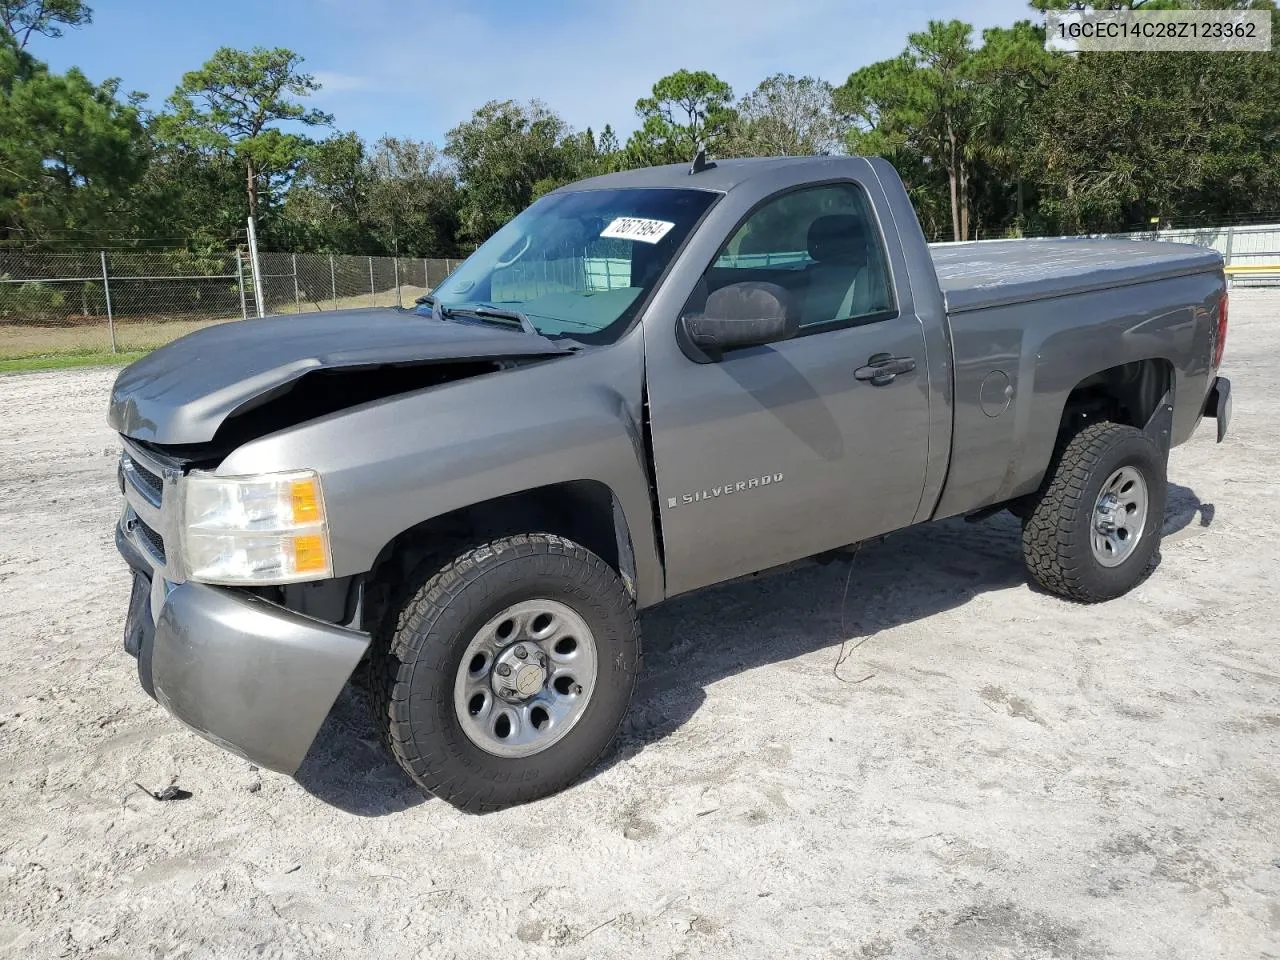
{"x": 744, "y": 314}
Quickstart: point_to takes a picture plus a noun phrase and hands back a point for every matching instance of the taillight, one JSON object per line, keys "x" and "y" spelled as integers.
{"x": 1220, "y": 334}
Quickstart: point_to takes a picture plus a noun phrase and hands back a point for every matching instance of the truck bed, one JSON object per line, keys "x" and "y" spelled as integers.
{"x": 999, "y": 272}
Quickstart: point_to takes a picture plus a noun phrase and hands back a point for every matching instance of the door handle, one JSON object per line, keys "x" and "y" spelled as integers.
{"x": 882, "y": 368}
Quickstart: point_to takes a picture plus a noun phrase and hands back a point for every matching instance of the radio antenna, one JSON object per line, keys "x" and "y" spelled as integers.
{"x": 700, "y": 162}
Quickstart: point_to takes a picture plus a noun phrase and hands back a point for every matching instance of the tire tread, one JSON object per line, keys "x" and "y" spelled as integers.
{"x": 401, "y": 647}
{"x": 1053, "y": 530}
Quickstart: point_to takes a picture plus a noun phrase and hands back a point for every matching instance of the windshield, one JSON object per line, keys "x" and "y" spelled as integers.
{"x": 577, "y": 264}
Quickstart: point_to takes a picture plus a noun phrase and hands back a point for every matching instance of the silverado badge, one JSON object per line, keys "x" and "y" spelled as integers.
{"x": 724, "y": 491}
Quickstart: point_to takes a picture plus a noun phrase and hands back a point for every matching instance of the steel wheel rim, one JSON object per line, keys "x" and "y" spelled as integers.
{"x": 1119, "y": 517}
{"x": 542, "y": 695}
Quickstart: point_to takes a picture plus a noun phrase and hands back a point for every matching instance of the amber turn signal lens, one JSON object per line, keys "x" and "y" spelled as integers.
{"x": 305, "y": 498}
{"x": 309, "y": 554}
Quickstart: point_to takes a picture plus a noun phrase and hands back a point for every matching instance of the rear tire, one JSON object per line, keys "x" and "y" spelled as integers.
{"x": 452, "y": 640}
{"x": 1096, "y": 524}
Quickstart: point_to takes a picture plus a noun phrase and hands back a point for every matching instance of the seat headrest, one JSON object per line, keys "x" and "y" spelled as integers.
{"x": 752, "y": 300}
{"x": 838, "y": 238}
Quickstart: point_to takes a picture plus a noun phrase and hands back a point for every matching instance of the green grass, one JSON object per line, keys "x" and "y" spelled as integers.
{"x": 19, "y": 341}
{"x": 62, "y": 361}
{"x": 31, "y": 347}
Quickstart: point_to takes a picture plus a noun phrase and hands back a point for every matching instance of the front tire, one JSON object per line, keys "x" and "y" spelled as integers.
{"x": 1097, "y": 522}
{"x": 504, "y": 674}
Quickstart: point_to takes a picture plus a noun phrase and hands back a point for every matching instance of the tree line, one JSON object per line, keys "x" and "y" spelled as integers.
{"x": 992, "y": 135}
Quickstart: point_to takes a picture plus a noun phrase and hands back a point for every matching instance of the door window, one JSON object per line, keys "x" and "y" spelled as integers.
{"x": 821, "y": 246}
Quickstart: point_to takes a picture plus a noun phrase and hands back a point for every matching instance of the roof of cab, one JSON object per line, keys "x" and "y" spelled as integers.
{"x": 722, "y": 177}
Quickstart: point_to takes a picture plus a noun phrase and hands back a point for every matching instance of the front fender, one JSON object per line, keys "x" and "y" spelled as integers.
{"x": 394, "y": 463}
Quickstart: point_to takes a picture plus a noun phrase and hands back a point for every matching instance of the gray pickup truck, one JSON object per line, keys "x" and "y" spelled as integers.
{"x": 644, "y": 384}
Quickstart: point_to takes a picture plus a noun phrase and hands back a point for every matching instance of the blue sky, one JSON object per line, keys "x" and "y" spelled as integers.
{"x": 417, "y": 67}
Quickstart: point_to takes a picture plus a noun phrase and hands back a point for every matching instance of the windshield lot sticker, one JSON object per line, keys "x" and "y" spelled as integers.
{"x": 637, "y": 228}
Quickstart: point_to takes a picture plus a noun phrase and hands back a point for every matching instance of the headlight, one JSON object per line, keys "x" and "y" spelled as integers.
{"x": 255, "y": 530}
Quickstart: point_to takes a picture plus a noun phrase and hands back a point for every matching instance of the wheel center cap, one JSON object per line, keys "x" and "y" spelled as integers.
{"x": 1105, "y": 514}
{"x": 528, "y": 680}
{"x": 519, "y": 672}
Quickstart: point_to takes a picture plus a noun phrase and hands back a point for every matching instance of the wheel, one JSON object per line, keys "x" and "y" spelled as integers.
{"x": 504, "y": 674}
{"x": 1096, "y": 523}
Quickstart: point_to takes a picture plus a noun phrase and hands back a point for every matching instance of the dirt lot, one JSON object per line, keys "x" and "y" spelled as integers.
{"x": 991, "y": 773}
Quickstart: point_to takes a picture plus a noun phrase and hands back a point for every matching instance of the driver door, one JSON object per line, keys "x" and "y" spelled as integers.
{"x": 781, "y": 451}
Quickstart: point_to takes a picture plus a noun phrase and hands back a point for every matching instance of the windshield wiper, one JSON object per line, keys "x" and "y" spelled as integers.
{"x": 498, "y": 313}
{"x": 438, "y": 310}
{"x": 484, "y": 311}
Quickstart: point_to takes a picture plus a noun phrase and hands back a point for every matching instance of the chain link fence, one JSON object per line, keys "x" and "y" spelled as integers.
{"x": 130, "y": 300}
{"x": 111, "y": 300}
{"x": 308, "y": 282}
{"x": 126, "y": 301}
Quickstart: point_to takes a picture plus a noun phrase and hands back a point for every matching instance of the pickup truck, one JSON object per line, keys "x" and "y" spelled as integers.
{"x": 644, "y": 384}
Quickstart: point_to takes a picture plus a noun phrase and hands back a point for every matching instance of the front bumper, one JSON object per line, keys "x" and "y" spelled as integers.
{"x": 1217, "y": 404}
{"x": 247, "y": 674}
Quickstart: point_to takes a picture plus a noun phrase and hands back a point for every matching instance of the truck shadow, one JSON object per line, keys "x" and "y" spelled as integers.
{"x": 347, "y": 767}
{"x": 1184, "y": 514}
{"x": 691, "y": 642}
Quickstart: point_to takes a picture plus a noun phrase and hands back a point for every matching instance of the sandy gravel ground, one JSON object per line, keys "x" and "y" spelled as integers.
{"x": 993, "y": 773}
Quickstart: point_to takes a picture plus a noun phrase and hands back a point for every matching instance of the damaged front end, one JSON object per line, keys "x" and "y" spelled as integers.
{"x": 255, "y": 664}
{"x": 240, "y": 666}
{"x": 285, "y": 370}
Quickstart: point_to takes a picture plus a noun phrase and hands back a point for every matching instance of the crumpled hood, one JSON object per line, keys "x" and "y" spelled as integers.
{"x": 182, "y": 392}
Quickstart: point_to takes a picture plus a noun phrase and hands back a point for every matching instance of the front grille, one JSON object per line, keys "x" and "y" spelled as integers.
{"x": 151, "y": 538}
{"x": 149, "y": 484}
